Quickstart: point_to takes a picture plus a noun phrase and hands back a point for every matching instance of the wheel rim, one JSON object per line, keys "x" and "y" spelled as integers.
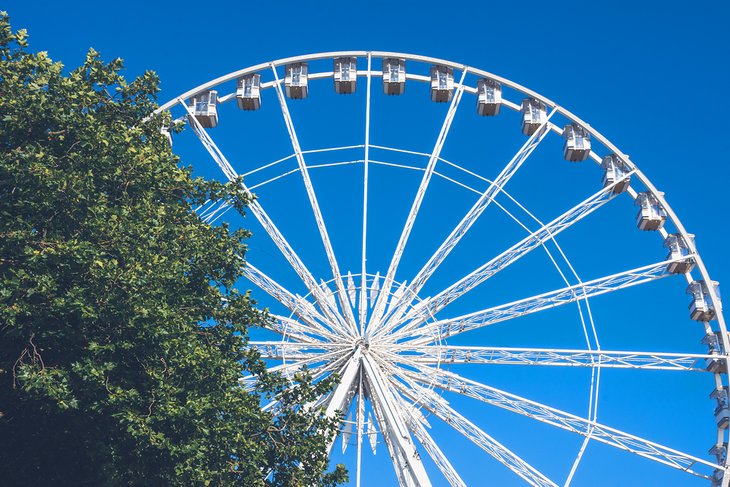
{"x": 359, "y": 342}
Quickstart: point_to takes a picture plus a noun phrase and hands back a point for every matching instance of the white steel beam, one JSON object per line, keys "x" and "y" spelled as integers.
{"x": 471, "y": 216}
{"x": 366, "y": 168}
{"x": 263, "y": 218}
{"x": 302, "y": 332}
{"x": 405, "y": 479}
{"x": 280, "y": 350}
{"x": 473, "y": 433}
{"x": 431, "y": 306}
{"x": 341, "y": 293}
{"x": 452, "y": 382}
{"x": 394, "y": 422}
{"x": 570, "y": 294}
{"x": 435, "y": 154}
{"x": 341, "y": 397}
{"x": 296, "y": 304}
{"x": 451, "y": 354}
{"x": 289, "y": 369}
{"x": 438, "y": 457}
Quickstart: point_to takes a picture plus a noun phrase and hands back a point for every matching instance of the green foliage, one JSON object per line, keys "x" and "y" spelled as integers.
{"x": 121, "y": 334}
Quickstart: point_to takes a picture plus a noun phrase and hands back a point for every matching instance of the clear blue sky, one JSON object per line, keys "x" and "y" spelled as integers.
{"x": 649, "y": 75}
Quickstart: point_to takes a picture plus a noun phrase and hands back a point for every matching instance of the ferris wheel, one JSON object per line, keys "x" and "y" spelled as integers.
{"x": 499, "y": 288}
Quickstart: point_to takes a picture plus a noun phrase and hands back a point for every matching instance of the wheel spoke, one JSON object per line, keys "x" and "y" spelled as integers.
{"x": 340, "y": 398}
{"x": 471, "y": 216}
{"x": 433, "y": 305}
{"x": 366, "y": 168}
{"x": 570, "y": 294}
{"x": 341, "y": 294}
{"x": 393, "y": 422}
{"x": 438, "y": 457}
{"x": 289, "y": 369}
{"x": 438, "y": 407}
{"x": 298, "y": 331}
{"x": 452, "y": 382}
{"x": 390, "y": 276}
{"x": 449, "y": 354}
{"x": 263, "y": 218}
{"x": 279, "y": 350}
{"x": 296, "y": 304}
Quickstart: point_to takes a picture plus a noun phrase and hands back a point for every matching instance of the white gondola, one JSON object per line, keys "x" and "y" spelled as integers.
{"x": 204, "y": 108}
{"x": 715, "y": 348}
{"x": 717, "y": 475}
{"x": 394, "y": 76}
{"x": 678, "y": 248}
{"x": 577, "y": 144}
{"x": 165, "y": 130}
{"x": 651, "y": 215}
{"x": 296, "y": 80}
{"x": 615, "y": 171}
{"x": 722, "y": 412}
{"x": 442, "y": 83}
{"x": 534, "y": 114}
{"x": 345, "y": 75}
{"x": 489, "y": 97}
{"x": 719, "y": 451}
{"x": 701, "y": 307}
{"x": 248, "y": 92}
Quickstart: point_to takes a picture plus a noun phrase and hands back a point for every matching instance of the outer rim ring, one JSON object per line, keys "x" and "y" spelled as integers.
{"x": 529, "y": 93}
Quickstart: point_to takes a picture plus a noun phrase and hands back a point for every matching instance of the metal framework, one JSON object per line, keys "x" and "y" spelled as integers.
{"x": 389, "y": 344}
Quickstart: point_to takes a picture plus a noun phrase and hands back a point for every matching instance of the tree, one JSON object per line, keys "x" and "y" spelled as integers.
{"x": 122, "y": 335}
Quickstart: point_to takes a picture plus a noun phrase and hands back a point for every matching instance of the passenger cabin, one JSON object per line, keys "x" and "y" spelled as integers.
{"x": 165, "y": 130}
{"x": 345, "y": 75}
{"x": 296, "y": 80}
{"x": 442, "y": 83}
{"x": 394, "y": 76}
{"x": 722, "y": 412}
{"x": 717, "y": 475}
{"x": 248, "y": 92}
{"x": 489, "y": 97}
{"x": 204, "y": 108}
{"x": 534, "y": 114}
{"x": 651, "y": 215}
{"x": 615, "y": 172}
{"x": 720, "y": 454}
{"x": 701, "y": 307}
{"x": 577, "y": 144}
{"x": 715, "y": 348}
{"x": 677, "y": 249}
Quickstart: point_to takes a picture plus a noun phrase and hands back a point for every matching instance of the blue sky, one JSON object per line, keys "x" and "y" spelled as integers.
{"x": 648, "y": 75}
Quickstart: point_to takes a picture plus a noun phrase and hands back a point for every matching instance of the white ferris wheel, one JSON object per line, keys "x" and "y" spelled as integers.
{"x": 493, "y": 312}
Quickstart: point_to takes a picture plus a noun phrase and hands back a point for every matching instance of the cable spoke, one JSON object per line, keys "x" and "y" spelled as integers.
{"x": 570, "y": 294}
{"x": 262, "y": 217}
{"x": 472, "y": 215}
{"x": 431, "y": 306}
{"x": 342, "y": 295}
{"x": 452, "y": 382}
{"x": 390, "y": 276}
{"x": 449, "y": 354}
